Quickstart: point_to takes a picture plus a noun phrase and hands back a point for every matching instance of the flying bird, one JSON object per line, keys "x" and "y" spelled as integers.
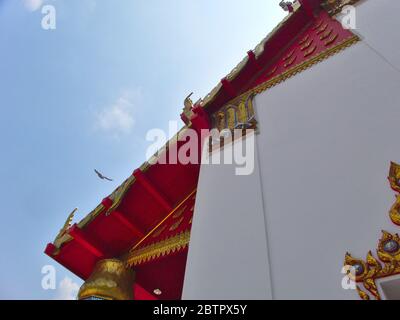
{"x": 101, "y": 176}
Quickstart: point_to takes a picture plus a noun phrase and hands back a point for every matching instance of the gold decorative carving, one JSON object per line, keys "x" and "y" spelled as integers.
{"x": 335, "y": 6}
{"x": 371, "y": 269}
{"x": 290, "y": 61}
{"x": 394, "y": 176}
{"x": 326, "y": 34}
{"x": 162, "y": 222}
{"x": 394, "y": 180}
{"x": 302, "y": 41}
{"x": 158, "y": 249}
{"x": 394, "y": 212}
{"x": 310, "y": 51}
{"x": 238, "y": 115}
{"x": 388, "y": 251}
{"x": 322, "y": 29}
{"x": 331, "y": 39}
{"x": 306, "y": 45}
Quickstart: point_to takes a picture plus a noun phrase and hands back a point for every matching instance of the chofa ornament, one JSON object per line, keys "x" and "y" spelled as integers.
{"x": 388, "y": 251}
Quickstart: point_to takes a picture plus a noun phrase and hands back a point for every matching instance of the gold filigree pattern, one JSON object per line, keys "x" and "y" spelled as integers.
{"x": 158, "y": 249}
{"x": 289, "y": 55}
{"x": 394, "y": 176}
{"x": 371, "y": 269}
{"x": 394, "y": 212}
{"x": 388, "y": 251}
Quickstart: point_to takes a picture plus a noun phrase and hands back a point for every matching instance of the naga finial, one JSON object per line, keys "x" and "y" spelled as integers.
{"x": 67, "y": 223}
{"x": 187, "y": 109}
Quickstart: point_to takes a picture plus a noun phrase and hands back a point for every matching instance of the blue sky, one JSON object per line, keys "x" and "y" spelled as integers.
{"x": 84, "y": 95}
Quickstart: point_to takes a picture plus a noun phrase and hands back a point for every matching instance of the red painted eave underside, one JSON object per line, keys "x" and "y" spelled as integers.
{"x": 113, "y": 238}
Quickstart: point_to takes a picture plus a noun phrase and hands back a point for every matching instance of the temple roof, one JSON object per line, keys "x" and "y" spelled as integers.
{"x": 136, "y": 221}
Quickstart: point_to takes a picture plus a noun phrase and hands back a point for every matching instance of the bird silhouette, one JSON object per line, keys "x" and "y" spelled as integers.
{"x": 102, "y": 176}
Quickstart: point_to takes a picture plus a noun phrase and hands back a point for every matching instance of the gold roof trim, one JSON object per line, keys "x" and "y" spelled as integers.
{"x": 298, "y": 68}
{"x": 158, "y": 249}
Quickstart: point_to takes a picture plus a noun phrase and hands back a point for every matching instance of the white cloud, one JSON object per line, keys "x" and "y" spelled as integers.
{"x": 67, "y": 290}
{"x": 33, "y": 5}
{"x": 119, "y": 117}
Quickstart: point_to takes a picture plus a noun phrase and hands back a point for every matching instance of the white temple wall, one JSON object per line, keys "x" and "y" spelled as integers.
{"x": 327, "y": 136}
{"x": 228, "y": 255}
{"x": 377, "y": 22}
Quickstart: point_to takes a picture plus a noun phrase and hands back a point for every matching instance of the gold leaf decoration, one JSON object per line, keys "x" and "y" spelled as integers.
{"x": 326, "y": 34}
{"x": 362, "y": 294}
{"x": 322, "y": 29}
{"x": 306, "y": 45}
{"x": 310, "y": 51}
{"x": 331, "y": 39}
{"x": 158, "y": 249}
{"x": 394, "y": 176}
{"x": 394, "y": 212}
{"x": 302, "y": 41}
